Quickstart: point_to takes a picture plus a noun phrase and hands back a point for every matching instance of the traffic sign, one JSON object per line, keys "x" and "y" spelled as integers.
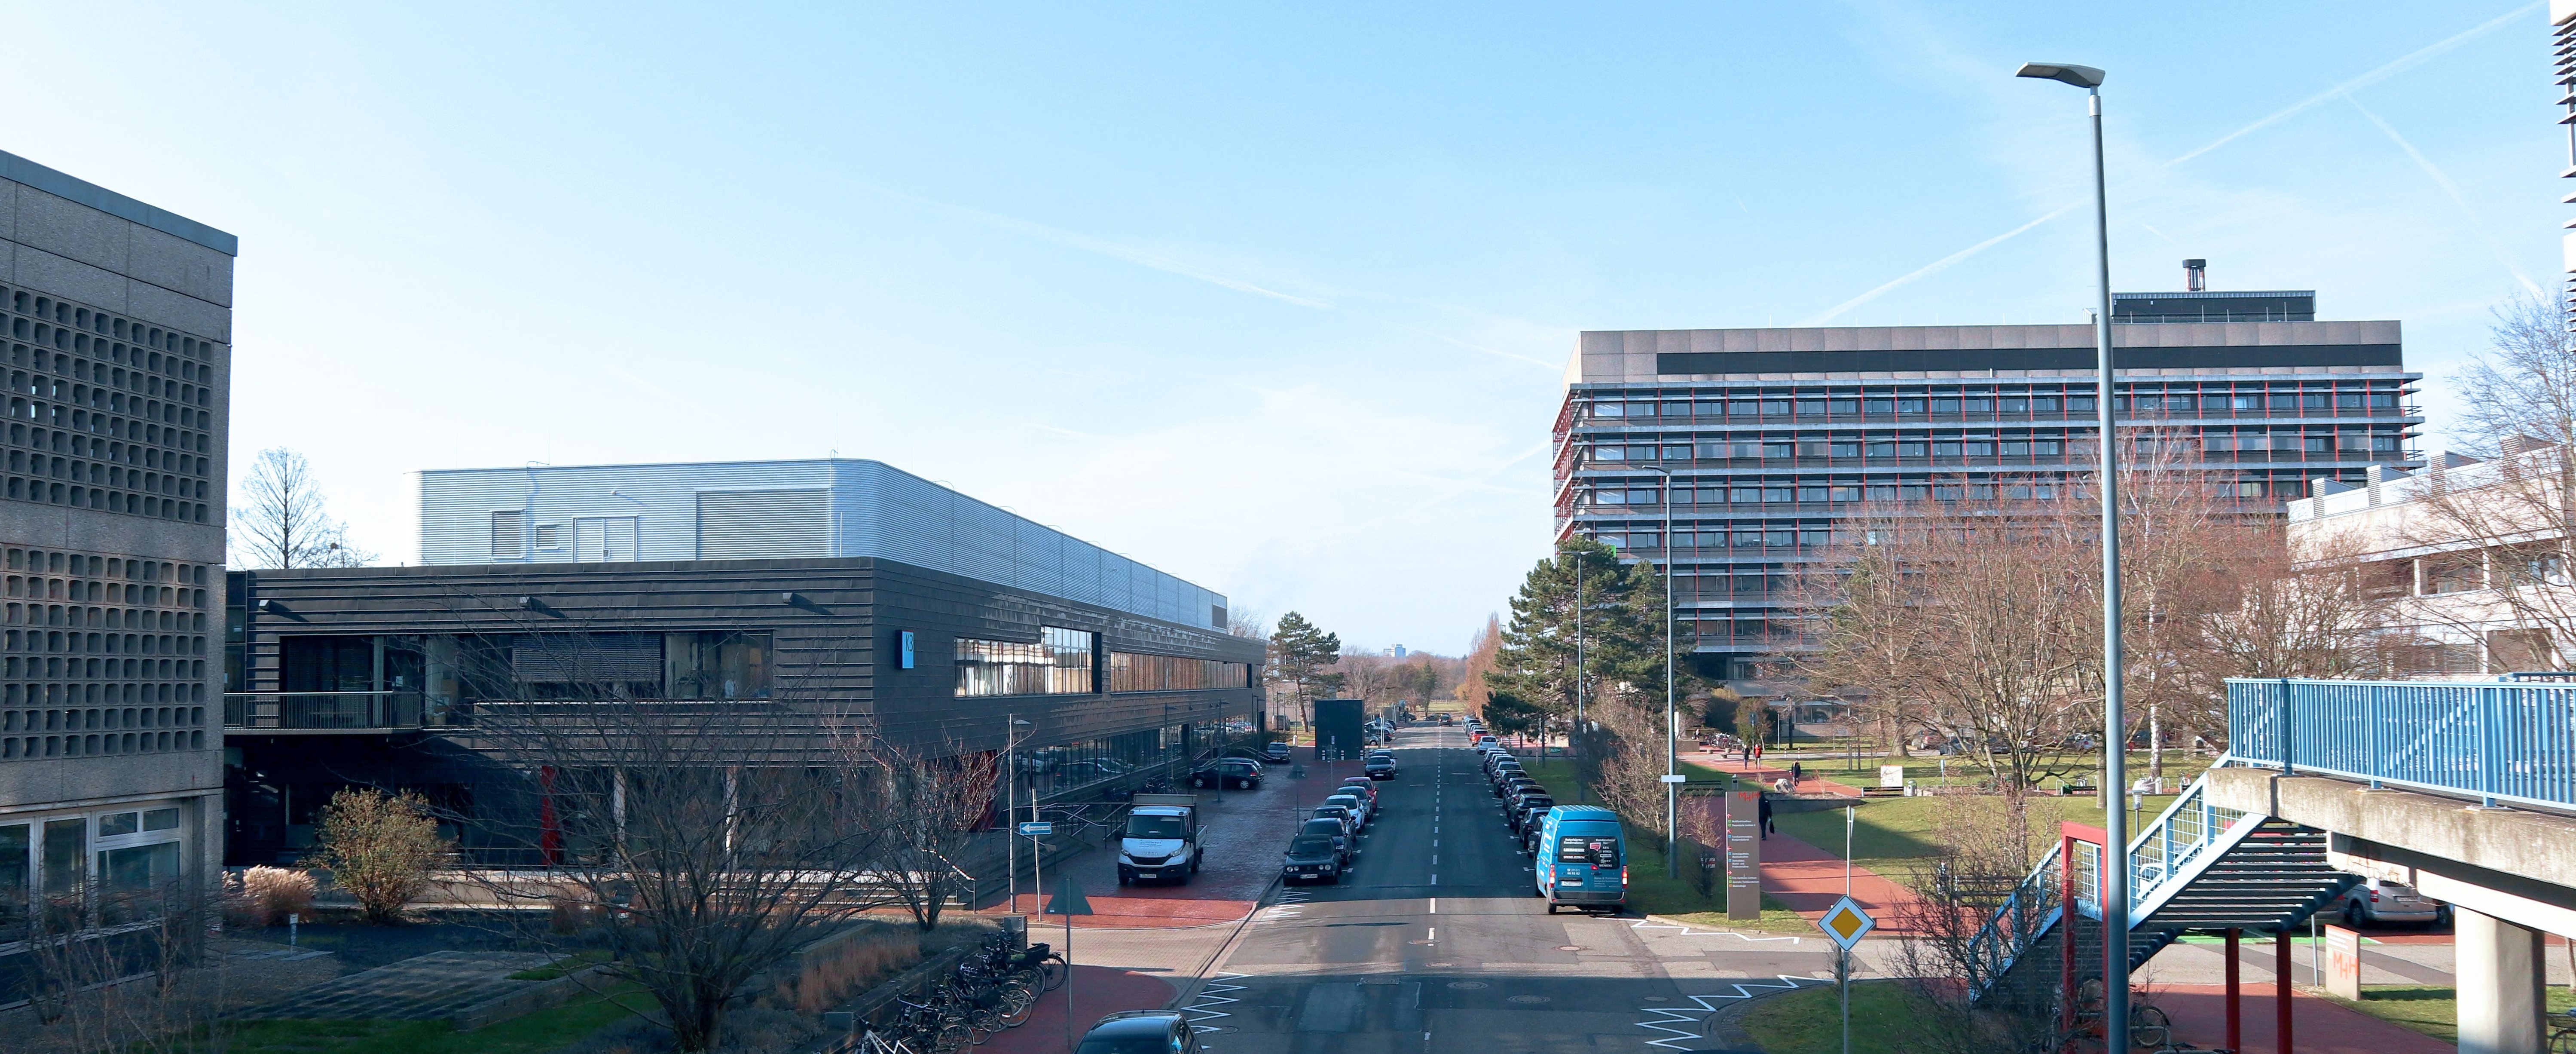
{"x": 1036, "y": 828}
{"x": 1846, "y": 923}
{"x": 1068, "y": 900}
{"x": 1675, "y": 777}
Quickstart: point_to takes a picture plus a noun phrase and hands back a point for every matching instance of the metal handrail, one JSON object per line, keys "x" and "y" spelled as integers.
{"x": 2503, "y": 741}
{"x": 328, "y": 711}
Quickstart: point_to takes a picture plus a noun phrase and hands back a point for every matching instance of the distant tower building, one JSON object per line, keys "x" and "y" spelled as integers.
{"x": 1397, "y": 651}
{"x": 116, "y": 324}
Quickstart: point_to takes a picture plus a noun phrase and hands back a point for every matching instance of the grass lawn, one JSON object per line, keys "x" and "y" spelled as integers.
{"x": 1810, "y": 1021}
{"x": 528, "y": 1034}
{"x": 2431, "y": 1011}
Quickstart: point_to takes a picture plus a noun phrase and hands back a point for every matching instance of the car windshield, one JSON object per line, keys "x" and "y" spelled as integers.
{"x": 1331, "y": 811}
{"x": 1310, "y": 846}
{"x": 1538, "y": 802}
{"x": 1324, "y": 826}
{"x": 1344, "y": 800}
{"x": 1126, "y": 1045}
{"x": 1155, "y": 827}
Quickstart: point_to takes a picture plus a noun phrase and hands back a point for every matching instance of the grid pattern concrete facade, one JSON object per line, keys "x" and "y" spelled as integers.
{"x": 115, "y": 330}
{"x": 1772, "y": 436}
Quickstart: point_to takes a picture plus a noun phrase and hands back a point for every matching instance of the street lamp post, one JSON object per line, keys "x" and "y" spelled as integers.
{"x": 1011, "y": 737}
{"x": 1672, "y": 724}
{"x": 2115, "y": 739}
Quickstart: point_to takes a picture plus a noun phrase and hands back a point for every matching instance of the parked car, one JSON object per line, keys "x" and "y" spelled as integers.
{"x": 1276, "y": 751}
{"x": 1530, "y": 807}
{"x": 2390, "y": 902}
{"x": 1141, "y": 1032}
{"x": 1312, "y": 858}
{"x": 1380, "y": 768}
{"x": 1360, "y": 786}
{"x": 1232, "y": 772}
{"x": 1349, "y": 820}
{"x": 1335, "y": 829}
{"x": 1357, "y": 804}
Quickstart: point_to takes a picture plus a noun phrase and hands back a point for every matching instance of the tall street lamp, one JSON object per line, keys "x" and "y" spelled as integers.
{"x": 2115, "y": 739}
{"x": 1672, "y": 725}
{"x": 1011, "y": 737}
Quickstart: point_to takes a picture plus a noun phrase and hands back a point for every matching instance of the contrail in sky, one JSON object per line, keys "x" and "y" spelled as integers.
{"x": 2400, "y": 65}
{"x": 2450, "y": 188}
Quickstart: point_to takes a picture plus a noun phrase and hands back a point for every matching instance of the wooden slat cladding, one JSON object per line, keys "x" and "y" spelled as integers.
{"x": 830, "y": 621}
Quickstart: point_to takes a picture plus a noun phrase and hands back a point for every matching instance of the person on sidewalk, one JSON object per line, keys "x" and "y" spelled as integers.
{"x": 1766, "y": 817}
{"x": 1797, "y": 773}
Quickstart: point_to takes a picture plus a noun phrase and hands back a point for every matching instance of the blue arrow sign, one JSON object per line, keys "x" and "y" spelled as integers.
{"x": 1035, "y": 828}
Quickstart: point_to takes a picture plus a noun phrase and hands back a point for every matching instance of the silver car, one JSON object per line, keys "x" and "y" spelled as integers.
{"x": 2390, "y": 902}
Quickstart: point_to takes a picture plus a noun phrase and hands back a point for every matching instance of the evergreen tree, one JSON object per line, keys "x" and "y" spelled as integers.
{"x": 1299, "y": 651}
{"x": 1621, "y": 613}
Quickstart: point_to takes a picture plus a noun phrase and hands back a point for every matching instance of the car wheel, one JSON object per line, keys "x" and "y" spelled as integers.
{"x": 1551, "y": 907}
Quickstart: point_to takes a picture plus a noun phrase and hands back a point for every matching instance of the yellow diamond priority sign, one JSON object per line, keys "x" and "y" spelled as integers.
{"x": 1846, "y": 923}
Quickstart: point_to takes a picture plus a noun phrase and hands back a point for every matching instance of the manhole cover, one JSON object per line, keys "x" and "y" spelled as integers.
{"x": 1527, "y": 999}
{"x": 1467, "y": 985}
{"x": 1569, "y": 947}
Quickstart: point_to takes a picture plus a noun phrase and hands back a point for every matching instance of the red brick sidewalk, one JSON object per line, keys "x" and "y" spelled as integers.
{"x": 2318, "y": 1026}
{"x": 1097, "y": 992}
{"x": 1764, "y": 773}
{"x": 1808, "y": 880}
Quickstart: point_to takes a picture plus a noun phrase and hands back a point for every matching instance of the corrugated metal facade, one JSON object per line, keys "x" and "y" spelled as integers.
{"x": 765, "y": 510}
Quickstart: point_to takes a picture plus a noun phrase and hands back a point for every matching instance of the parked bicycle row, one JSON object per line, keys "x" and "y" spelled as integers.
{"x": 995, "y": 988}
{"x": 1327, "y": 845}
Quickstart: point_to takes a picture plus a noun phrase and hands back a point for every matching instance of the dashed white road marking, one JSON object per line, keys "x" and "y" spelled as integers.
{"x": 1650, "y": 924}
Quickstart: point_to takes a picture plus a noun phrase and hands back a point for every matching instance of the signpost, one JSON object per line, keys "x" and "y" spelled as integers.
{"x": 1069, "y": 902}
{"x": 1743, "y": 854}
{"x": 1845, "y": 924}
{"x": 1036, "y": 829}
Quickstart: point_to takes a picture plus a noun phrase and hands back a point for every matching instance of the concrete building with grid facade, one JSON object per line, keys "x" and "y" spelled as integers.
{"x": 1773, "y": 437}
{"x": 116, "y": 353}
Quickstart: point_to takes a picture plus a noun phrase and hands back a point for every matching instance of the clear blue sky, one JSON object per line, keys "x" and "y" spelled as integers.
{"x": 1273, "y": 297}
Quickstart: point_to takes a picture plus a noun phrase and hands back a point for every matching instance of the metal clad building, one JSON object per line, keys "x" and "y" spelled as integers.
{"x": 839, "y": 507}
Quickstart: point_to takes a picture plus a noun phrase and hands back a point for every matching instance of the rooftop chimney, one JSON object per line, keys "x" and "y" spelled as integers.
{"x": 2195, "y": 275}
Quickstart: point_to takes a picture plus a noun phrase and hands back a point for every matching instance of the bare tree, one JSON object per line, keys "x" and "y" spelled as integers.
{"x": 281, "y": 520}
{"x": 1953, "y": 974}
{"x": 936, "y": 800}
{"x": 705, "y": 840}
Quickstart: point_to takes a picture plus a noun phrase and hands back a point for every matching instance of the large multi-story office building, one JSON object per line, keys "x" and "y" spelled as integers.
{"x": 1756, "y": 441}
{"x": 819, "y": 597}
{"x": 117, "y": 341}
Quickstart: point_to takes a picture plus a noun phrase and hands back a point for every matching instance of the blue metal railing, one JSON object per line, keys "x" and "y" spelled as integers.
{"x": 2501, "y": 742}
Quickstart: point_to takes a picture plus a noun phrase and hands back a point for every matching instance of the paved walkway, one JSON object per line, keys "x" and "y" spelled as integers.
{"x": 1244, "y": 833}
{"x": 1764, "y": 772}
{"x": 2318, "y": 1026}
{"x": 1097, "y": 992}
{"x": 422, "y": 988}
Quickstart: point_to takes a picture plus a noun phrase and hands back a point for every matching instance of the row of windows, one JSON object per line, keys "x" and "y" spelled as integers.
{"x": 127, "y": 851}
{"x": 13, "y": 747}
{"x": 92, "y": 720}
{"x": 2036, "y": 402}
{"x": 106, "y": 618}
{"x": 1171, "y": 673}
{"x": 1058, "y": 663}
{"x": 80, "y": 497}
{"x": 60, "y": 313}
{"x": 97, "y": 694}
{"x": 1963, "y": 447}
{"x": 1802, "y": 493}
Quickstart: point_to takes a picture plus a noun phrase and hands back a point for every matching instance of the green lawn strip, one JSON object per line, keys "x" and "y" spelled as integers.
{"x": 562, "y": 966}
{"x": 1810, "y": 1020}
{"x": 1679, "y": 899}
{"x": 2432, "y": 1011}
{"x": 1891, "y": 836}
{"x": 530, "y": 1033}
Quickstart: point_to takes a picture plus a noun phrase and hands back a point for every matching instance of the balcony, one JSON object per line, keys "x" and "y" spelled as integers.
{"x": 328, "y": 713}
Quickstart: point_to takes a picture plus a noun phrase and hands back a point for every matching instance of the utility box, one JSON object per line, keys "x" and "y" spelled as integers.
{"x": 1341, "y": 731}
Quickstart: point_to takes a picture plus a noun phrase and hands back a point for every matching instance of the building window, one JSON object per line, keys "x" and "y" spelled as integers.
{"x": 718, "y": 664}
{"x": 1129, "y": 672}
{"x": 507, "y": 525}
{"x": 1058, "y": 663}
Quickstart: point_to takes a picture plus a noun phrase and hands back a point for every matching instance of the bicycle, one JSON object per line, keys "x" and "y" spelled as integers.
{"x": 939, "y": 1029}
{"x": 2562, "y": 1032}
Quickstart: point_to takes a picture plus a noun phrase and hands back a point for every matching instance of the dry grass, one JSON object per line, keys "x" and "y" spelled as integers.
{"x": 263, "y": 895}
{"x": 827, "y": 978}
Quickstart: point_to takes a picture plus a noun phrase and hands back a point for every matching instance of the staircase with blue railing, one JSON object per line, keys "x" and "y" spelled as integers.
{"x": 2197, "y": 867}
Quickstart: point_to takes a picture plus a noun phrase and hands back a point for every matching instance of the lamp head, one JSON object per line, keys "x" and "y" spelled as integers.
{"x": 2085, "y": 77}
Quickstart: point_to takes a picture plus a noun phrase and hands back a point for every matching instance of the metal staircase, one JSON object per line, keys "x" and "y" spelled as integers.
{"x": 2197, "y": 867}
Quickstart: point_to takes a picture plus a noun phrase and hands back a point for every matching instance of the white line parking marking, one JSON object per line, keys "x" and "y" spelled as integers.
{"x": 1673, "y": 1017}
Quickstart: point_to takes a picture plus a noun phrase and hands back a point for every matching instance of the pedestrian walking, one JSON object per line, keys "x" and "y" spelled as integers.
{"x": 1797, "y": 773}
{"x": 1766, "y": 817}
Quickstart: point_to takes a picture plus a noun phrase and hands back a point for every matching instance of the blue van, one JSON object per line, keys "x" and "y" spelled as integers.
{"x": 1582, "y": 859}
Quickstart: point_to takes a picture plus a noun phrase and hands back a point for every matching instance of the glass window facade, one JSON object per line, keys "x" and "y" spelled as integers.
{"x": 1763, "y": 470}
{"x": 1130, "y": 672}
{"x": 1059, "y": 662}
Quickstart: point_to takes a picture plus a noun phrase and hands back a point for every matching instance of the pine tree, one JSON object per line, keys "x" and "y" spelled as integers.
{"x": 1534, "y": 683}
{"x": 1299, "y": 651}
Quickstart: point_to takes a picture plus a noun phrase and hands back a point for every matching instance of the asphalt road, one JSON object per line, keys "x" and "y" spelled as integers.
{"x": 1438, "y": 944}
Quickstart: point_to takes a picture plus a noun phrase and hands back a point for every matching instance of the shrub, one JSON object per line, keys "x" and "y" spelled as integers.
{"x": 263, "y": 895}
{"x": 379, "y": 847}
{"x": 829, "y": 977}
